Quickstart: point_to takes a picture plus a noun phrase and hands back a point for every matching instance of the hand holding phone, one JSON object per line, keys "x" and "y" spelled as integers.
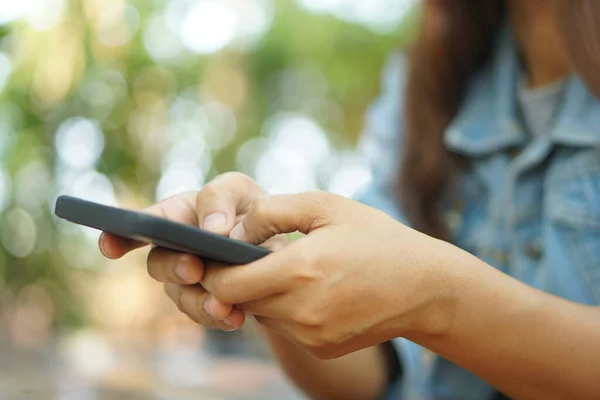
{"x": 217, "y": 208}
{"x": 161, "y": 232}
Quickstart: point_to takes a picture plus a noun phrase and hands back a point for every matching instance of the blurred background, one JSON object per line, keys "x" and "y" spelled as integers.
{"x": 126, "y": 102}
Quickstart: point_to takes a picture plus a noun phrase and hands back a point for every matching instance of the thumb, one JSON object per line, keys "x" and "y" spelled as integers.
{"x": 220, "y": 202}
{"x": 273, "y": 215}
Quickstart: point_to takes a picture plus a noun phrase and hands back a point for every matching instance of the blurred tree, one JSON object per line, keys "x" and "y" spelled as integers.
{"x": 110, "y": 99}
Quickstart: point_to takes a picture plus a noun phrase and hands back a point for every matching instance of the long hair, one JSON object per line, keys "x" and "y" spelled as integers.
{"x": 456, "y": 40}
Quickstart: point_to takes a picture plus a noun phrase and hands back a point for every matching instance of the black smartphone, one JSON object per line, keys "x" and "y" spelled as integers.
{"x": 158, "y": 231}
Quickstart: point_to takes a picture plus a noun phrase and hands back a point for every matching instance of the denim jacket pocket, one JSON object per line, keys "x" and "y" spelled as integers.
{"x": 574, "y": 209}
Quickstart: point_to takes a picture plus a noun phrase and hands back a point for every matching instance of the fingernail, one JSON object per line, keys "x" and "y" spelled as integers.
{"x": 181, "y": 270}
{"x": 239, "y": 232}
{"x": 208, "y": 308}
{"x": 214, "y": 222}
{"x": 230, "y": 324}
{"x": 101, "y": 245}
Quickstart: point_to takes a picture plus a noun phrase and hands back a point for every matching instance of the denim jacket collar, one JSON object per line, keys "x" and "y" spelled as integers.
{"x": 488, "y": 122}
{"x": 578, "y": 123}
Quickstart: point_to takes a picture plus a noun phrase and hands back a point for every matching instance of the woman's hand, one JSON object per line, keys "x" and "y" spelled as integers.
{"x": 357, "y": 279}
{"x": 218, "y": 207}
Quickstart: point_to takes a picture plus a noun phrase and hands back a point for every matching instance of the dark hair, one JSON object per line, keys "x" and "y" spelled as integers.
{"x": 455, "y": 41}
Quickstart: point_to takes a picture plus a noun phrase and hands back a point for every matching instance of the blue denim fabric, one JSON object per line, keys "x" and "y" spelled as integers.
{"x": 533, "y": 213}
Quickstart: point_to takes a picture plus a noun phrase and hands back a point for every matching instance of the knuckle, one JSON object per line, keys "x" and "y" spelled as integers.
{"x": 308, "y": 265}
{"x": 206, "y": 193}
{"x": 175, "y": 294}
{"x": 326, "y": 353}
{"x": 260, "y": 206}
{"x": 320, "y": 199}
{"x": 161, "y": 265}
{"x": 202, "y": 321}
{"x": 179, "y": 299}
{"x": 186, "y": 260}
{"x": 322, "y": 205}
{"x": 312, "y": 343}
{"x": 190, "y": 302}
{"x": 321, "y": 196}
{"x": 321, "y": 344}
{"x": 236, "y": 177}
{"x": 309, "y": 317}
{"x": 306, "y": 271}
{"x": 221, "y": 286}
{"x": 195, "y": 319}
{"x": 151, "y": 267}
{"x": 233, "y": 179}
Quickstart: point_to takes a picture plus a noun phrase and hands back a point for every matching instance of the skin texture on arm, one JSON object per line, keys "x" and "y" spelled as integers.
{"x": 528, "y": 343}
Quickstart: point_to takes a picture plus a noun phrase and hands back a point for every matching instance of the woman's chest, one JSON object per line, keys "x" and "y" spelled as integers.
{"x": 535, "y": 219}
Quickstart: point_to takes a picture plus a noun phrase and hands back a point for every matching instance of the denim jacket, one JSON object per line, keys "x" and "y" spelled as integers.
{"x": 533, "y": 214}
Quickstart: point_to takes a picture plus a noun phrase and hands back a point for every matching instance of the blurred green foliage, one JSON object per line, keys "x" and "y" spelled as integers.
{"x": 48, "y": 86}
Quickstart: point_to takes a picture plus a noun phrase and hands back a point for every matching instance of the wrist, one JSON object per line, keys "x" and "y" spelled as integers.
{"x": 435, "y": 313}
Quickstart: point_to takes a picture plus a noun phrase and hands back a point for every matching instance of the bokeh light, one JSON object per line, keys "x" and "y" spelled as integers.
{"x": 289, "y": 164}
{"x": 162, "y": 42}
{"x": 12, "y": 11}
{"x": 379, "y": 15}
{"x": 119, "y": 28}
{"x": 179, "y": 179}
{"x": 208, "y": 26}
{"x": 352, "y": 173}
{"x": 222, "y": 123}
{"x": 79, "y": 143}
{"x": 19, "y": 233}
{"x": 88, "y": 354}
{"x": 42, "y": 15}
{"x": 33, "y": 184}
{"x": 5, "y": 189}
{"x": 299, "y": 134}
{"x": 32, "y": 317}
{"x": 89, "y": 185}
{"x": 5, "y": 70}
{"x": 125, "y": 102}
{"x": 249, "y": 154}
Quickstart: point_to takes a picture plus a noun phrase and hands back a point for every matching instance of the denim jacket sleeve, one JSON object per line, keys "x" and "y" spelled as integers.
{"x": 381, "y": 141}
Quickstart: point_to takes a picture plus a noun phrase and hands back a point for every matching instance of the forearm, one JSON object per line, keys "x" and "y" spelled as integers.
{"x": 527, "y": 343}
{"x": 362, "y": 375}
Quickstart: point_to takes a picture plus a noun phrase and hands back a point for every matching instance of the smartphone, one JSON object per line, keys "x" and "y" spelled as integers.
{"x": 158, "y": 231}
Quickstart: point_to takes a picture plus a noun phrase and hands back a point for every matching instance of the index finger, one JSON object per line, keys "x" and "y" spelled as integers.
{"x": 220, "y": 203}
{"x": 269, "y": 276}
{"x": 180, "y": 208}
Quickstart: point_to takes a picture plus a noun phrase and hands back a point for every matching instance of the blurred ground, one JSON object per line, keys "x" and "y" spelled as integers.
{"x": 47, "y": 374}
